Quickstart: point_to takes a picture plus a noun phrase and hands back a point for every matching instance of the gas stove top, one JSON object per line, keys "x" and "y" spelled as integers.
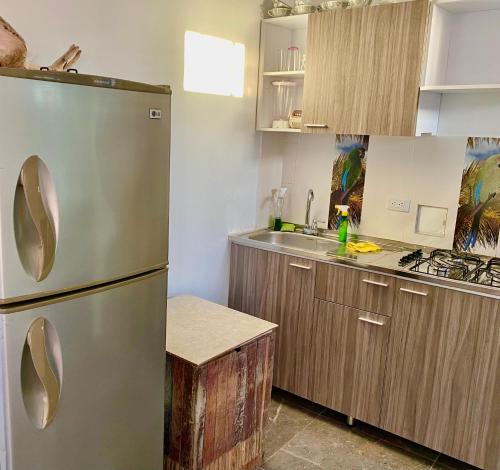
{"x": 456, "y": 266}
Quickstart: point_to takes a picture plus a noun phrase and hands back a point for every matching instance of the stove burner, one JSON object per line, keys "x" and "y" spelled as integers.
{"x": 489, "y": 275}
{"x": 445, "y": 263}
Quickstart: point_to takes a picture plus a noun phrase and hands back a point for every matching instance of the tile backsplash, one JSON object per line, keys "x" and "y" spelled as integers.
{"x": 424, "y": 170}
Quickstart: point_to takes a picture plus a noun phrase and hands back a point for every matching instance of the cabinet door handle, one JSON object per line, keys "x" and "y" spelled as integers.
{"x": 375, "y": 283}
{"x": 306, "y": 268}
{"x": 317, "y": 126}
{"x": 371, "y": 322}
{"x": 414, "y": 292}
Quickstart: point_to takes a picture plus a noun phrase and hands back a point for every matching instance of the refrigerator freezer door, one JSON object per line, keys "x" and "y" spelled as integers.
{"x": 106, "y": 355}
{"x": 100, "y": 209}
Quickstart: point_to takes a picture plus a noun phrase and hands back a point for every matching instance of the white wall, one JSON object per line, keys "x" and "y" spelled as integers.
{"x": 214, "y": 146}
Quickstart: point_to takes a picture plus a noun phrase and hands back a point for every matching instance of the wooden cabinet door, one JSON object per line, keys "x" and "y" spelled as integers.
{"x": 349, "y": 349}
{"x": 364, "y": 69}
{"x": 279, "y": 289}
{"x": 255, "y": 282}
{"x": 442, "y": 383}
{"x": 356, "y": 288}
{"x": 294, "y": 332}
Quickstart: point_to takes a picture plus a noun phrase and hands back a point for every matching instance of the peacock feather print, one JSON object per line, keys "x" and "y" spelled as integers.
{"x": 478, "y": 218}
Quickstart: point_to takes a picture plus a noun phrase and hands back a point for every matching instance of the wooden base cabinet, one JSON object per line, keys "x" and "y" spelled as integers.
{"x": 280, "y": 289}
{"x": 442, "y": 386}
{"x": 349, "y": 347}
{"x": 419, "y": 361}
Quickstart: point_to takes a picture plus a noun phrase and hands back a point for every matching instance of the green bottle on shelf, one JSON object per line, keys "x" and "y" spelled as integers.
{"x": 279, "y": 199}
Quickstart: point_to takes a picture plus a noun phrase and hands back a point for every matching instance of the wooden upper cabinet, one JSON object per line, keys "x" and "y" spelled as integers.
{"x": 442, "y": 382}
{"x": 364, "y": 68}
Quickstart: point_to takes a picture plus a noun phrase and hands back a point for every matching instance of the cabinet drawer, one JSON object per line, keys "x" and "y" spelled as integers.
{"x": 355, "y": 288}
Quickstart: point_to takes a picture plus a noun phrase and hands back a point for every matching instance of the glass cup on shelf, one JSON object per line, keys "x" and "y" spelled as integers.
{"x": 289, "y": 59}
{"x": 284, "y": 100}
{"x": 293, "y": 59}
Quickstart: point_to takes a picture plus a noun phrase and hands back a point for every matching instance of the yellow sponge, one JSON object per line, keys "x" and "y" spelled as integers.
{"x": 363, "y": 247}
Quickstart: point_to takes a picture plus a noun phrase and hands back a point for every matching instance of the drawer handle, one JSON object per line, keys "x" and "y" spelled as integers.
{"x": 371, "y": 322}
{"x": 375, "y": 283}
{"x": 409, "y": 291}
{"x": 306, "y": 268}
{"x": 317, "y": 126}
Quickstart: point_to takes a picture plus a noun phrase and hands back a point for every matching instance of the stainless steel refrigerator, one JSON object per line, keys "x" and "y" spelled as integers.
{"x": 84, "y": 178}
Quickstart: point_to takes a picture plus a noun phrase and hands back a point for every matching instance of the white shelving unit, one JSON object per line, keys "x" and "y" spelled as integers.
{"x": 271, "y": 129}
{"x": 461, "y": 88}
{"x": 285, "y": 74}
{"x": 460, "y": 94}
{"x": 276, "y": 34}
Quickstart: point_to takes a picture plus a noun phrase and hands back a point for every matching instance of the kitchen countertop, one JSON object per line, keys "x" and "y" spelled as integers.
{"x": 384, "y": 262}
{"x": 199, "y": 331}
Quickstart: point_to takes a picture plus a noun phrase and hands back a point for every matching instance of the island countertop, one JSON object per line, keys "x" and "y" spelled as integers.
{"x": 199, "y": 331}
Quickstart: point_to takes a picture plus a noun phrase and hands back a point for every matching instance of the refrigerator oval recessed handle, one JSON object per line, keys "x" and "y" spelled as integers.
{"x": 40, "y": 384}
{"x": 34, "y": 222}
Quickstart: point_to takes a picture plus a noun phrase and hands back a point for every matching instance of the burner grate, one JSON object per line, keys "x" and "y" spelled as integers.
{"x": 489, "y": 275}
{"x": 446, "y": 263}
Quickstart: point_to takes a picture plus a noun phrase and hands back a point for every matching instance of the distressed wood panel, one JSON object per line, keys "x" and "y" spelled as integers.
{"x": 355, "y": 288}
{"x": 347, "y": 374}
{"x": 364, "y": 69}
{"x": 441, "y": 387}
{"x": 218, "y": 411}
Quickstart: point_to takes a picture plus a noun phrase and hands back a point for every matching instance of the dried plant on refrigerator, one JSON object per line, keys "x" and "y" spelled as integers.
{"x": 13, "y": 51}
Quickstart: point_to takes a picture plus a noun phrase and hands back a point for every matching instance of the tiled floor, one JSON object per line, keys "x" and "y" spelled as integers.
{"x": 303, "y": 436}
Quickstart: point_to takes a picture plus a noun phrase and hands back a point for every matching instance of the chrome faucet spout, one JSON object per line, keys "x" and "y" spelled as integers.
{"x": 310, "y": 198}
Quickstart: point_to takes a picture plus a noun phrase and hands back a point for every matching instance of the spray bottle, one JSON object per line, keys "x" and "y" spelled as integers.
{"x": 279, "y": 200}
{"x": 343, "y": 222}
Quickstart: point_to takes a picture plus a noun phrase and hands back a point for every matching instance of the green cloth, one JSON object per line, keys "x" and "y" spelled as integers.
{"x": 288, "y": 228}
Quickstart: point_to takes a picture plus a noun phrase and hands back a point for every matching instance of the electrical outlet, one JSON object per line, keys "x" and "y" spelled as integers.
{"x": 399, "y": 205}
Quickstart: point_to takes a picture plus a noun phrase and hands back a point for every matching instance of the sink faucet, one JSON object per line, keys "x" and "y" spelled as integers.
{"x": 309, "y": 228}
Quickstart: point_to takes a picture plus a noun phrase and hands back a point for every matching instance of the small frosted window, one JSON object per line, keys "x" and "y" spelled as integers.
{"x": 213, "y": 65}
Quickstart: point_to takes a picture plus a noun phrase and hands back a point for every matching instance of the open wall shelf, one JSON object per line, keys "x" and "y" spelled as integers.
{"x": 286, "y": 74}
{"x": 460, "y": 94}
{"x": 461, "y": 88}
{"x": 278, "y": 34}
{"x": 289, "y": 130}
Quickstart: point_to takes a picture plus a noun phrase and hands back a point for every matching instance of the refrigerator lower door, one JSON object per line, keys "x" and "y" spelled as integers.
{"x": 84, "y": 177}
{"x": 83, "y": 380}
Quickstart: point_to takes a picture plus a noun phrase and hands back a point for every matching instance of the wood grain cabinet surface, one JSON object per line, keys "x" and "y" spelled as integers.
{"x": 356, "y": 288}
{"x": 442, "y": 386}
{"x": 349, "y": 348}
{"x": 420, "y": 361}
{"x": 364, "y": 68}
{"x": 280, "y": 289}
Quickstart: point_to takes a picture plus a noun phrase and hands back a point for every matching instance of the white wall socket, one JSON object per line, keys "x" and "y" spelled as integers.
{"x": 399, "y": 205}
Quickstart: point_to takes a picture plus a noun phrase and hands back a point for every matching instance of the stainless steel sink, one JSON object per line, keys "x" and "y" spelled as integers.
{"x": 297, "y": 241}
